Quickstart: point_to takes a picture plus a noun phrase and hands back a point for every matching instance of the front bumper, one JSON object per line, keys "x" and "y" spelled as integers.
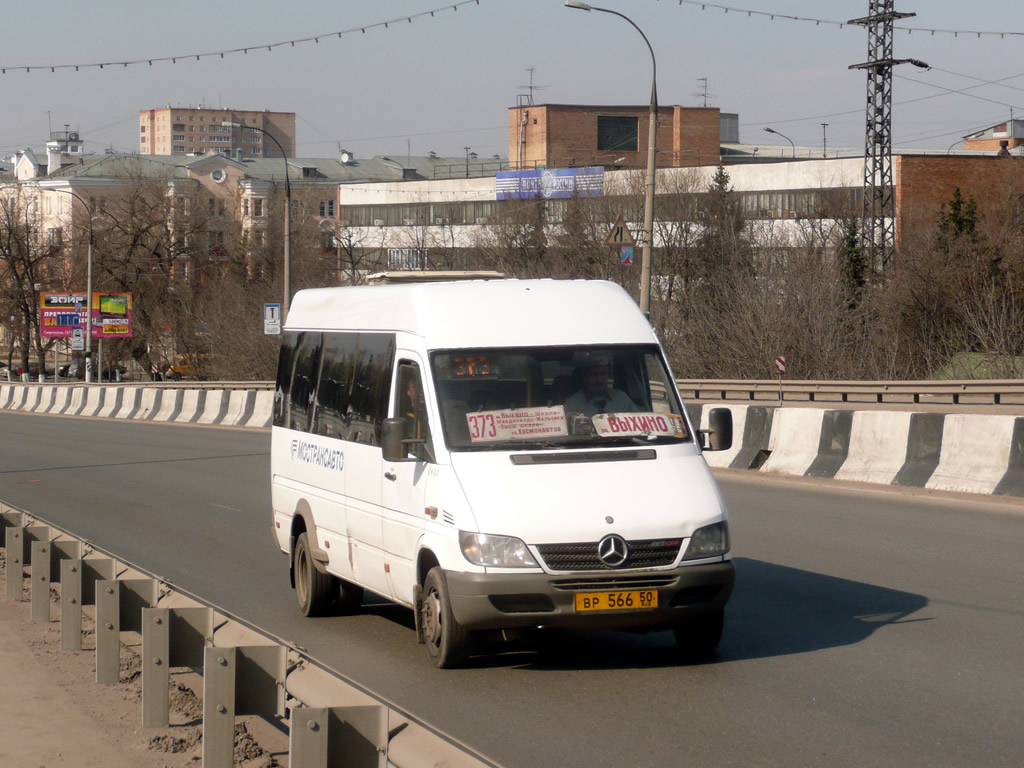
{"x": 507, "y": 601}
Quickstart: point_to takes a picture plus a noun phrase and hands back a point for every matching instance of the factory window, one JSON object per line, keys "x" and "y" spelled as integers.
{"x": 617, "y": 134}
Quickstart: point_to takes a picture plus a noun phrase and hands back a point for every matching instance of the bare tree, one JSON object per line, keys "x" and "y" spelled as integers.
{"x": 28, "y": 262}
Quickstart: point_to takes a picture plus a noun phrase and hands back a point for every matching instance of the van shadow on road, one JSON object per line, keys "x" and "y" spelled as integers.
{"x": 775, "y": 610}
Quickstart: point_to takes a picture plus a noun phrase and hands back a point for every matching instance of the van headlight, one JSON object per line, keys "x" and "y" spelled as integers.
{"x": 495, "y": 551}
{"x": 709, "y": 541}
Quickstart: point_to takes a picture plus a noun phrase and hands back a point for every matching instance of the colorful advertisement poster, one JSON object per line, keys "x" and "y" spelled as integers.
{"x": 62, "y": 313}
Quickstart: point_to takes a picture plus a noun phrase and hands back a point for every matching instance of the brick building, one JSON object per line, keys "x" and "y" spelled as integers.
{"x": 201, "y": 131}
{"x": 573, "y": 135}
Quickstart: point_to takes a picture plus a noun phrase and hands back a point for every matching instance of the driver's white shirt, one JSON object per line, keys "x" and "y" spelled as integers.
{"x": 609, "y": 401}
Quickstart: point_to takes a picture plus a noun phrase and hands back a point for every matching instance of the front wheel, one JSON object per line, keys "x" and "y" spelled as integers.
{"x": 447, "y": 641}
{"x": 699, "y": 637}
{"x": 313, "y": 589}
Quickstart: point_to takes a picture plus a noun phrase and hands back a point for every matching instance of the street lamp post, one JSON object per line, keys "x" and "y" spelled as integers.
{"x": 88, "y": 288}
{"x": 772, "y": 130}
{"x": 286, "y": 301}
{"x": 648, "y": 233}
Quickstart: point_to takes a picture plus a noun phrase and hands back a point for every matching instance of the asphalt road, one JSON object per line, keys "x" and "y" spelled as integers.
{"x": 868, "y": 627}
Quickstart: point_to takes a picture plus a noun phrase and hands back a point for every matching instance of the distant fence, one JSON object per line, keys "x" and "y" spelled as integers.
{"x": 332, "y": 721}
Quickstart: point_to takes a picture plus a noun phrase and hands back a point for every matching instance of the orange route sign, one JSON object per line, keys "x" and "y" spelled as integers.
{"x": 620, "y": 234}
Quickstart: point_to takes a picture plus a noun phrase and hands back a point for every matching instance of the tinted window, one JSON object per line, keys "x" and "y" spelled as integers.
{"x": 305, "y": 371}
{"x": 336, "y": 380}
{"x": 282, "y": 390}
{"x": 368, "y": 401}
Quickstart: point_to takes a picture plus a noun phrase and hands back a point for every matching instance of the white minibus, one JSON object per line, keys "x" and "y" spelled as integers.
{"x": 496, "y": 455}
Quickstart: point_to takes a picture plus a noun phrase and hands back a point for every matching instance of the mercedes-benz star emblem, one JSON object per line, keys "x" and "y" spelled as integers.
{"x": 612, "y": 550}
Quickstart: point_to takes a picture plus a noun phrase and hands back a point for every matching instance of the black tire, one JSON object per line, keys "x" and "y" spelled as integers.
{"x": 447, "y": 641}
{"x": 699, "y": 637}
{"x": 313, "y": 589}
{"x": 349, "y": 597}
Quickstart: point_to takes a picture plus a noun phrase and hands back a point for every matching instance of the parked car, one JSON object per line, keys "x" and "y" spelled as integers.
{"x": 73, "y": 369}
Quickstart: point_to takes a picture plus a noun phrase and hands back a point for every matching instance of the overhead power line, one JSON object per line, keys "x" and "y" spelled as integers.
{"x": 840, "y": 24}
{"x": 244, "y": 50}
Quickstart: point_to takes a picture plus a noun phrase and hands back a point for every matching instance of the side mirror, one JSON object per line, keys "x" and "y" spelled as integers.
{"x": 718, "y": 435}
{"x": 393, "y": 433}
{"x": 397, "y": 447}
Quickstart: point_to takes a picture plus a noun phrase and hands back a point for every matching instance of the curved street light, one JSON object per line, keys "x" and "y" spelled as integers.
{"x": 648, "y": 244}
{"x": 88, "y": 285}
{"x": 287, "y": 216}
{"x": 772, "y": 130}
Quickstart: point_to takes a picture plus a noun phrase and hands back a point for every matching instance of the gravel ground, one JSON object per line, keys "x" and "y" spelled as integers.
{"x": 53, "y": 713}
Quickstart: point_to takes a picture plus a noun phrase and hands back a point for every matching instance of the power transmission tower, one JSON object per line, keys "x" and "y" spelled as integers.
{"x": 878, "y": 227}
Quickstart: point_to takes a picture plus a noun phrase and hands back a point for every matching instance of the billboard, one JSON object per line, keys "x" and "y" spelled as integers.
{"x": 550, "y": 183}
{"x": 62, "y": 313}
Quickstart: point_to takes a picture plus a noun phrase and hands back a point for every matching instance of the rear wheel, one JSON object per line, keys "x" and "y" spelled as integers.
{"x": 699, "y": 637}
{"x": 313, "y": 589}
{"x": 447, "y": 641}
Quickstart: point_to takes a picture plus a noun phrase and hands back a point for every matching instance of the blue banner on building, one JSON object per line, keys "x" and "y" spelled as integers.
{"x": 550, "y": 183}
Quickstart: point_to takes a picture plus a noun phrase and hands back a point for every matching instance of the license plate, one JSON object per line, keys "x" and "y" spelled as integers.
{"x": 636, "y": 600}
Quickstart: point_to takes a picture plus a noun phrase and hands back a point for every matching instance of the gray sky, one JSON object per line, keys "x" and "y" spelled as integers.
{"x": 445, "y": 82}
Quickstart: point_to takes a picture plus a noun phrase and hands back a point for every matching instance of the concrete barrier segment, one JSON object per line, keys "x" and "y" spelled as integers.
{"x": 754, "y": 437}
{"x": 20, "y": 395}
{"x": 878, "y": 447}
{"x": 191, "y": 405}
{"x": 47, "y": 394}
{"x": 150, "y": 405}
{"x": 170, "y": 405}
{"x": 214, "y": 408}
{"x": 77, "y": 401}
{"x": 1012, "y": 483}
{"x": 975, "y": 453}
{"x": 248, "y": 408}
{"x": 739, "y": 417}
{"x": 237, "y": 400}
{"x": 6, "y": 392}
{"x": 61, "y": 401}
{"x": 31, "y": 398}
{"x": 924, "y": 445}
{"x": 796, "y": 433}
{"x": 93, "y": 400}
{"x": 833, "y": 445}
{"x": 263, "y": 409}
{"x": 111, "y": 402}
{"x": 130, "y": 399}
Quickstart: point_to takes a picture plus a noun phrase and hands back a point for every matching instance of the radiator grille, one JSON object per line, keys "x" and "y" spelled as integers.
{"x": 582, "y": 556}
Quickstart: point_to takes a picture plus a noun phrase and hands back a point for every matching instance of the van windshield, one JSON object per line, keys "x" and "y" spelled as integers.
{"x": 555, "y": 397}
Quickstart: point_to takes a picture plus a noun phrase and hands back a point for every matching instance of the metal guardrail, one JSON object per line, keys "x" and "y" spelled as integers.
{"x": 246, "y": 671}
{"x": 961, "y": 392}
{"x": 967, "y": 392}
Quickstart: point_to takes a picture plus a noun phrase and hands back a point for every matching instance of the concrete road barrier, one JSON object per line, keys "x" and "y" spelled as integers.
{"x": 878, "y": 447}
{"x": 965, "y": 452}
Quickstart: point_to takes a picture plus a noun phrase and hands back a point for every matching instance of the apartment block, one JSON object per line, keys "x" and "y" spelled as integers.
{"x": 202, "y": 131}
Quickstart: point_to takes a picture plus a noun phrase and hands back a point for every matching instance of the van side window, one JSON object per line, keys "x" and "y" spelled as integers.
{"x": 283, "y": 387}
{"x": 410, "y": 404}
{"x": 334, "y": 391}
{"x": 306, "y": 368}
{"x": 371, "y": 387}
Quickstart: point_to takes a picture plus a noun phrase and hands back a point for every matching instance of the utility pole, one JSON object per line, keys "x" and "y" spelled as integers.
{"x": 824, "y": 140}
{"x": 878, "y": 226}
